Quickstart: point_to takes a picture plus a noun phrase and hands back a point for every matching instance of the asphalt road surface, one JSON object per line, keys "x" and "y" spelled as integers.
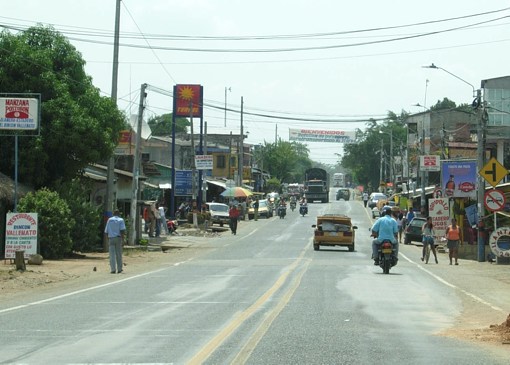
{"x": 263, "y": 296}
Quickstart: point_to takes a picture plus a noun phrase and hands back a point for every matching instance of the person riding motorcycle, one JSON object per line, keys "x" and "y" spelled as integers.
{"x": 385, "y": 228}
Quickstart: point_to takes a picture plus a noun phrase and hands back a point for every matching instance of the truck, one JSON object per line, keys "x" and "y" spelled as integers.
{"x": 317, "y": 185}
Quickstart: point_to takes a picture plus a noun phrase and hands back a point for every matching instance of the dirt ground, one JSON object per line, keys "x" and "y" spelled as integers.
{"x": 90, "y": 268}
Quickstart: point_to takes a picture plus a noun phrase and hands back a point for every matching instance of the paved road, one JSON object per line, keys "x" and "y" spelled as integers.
{"x": 265, "y": 297}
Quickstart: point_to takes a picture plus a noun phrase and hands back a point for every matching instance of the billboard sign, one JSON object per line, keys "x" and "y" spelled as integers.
{"x": 20, "y": 234}
{"x": 318, "y": 135}
{"x": 19, "y": 113}
{"x": 186, "y": 96}
{"x": 439, "y": 211}
{"x": 458, "y": 179}
{"x": 429, "y": 163}
{"x": 183, "y": 183}
{"x": 204, "y": 162}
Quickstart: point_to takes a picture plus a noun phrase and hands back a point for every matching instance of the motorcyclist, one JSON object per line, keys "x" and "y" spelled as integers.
{"x": 385, "y": 228}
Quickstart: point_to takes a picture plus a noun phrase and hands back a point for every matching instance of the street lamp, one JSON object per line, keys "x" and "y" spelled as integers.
{"x": 229, "y": 89}
{"x": 423, "y": 174}
{"x": 480, "y": 156}
{"x": 390, "y": 133}
{"x": 448, "y": 72}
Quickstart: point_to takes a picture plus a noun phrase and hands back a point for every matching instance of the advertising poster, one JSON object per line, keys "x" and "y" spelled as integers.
{"x": 18, "y": 113}
{"x": 458, "y": 179}
{"x": 439, "y": 210}
{"x": 186, "y": 96}
{"x": 20, "y": 234}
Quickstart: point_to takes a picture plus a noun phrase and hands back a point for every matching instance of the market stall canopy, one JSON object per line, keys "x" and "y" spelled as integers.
{"x": 236, "y": 192}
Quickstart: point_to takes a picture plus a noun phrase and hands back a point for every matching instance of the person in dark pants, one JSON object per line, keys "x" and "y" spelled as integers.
{"x": 233, "y": 214}
{"x": 115, "y": 230}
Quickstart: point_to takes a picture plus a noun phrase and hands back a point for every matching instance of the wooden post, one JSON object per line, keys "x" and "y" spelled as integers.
{"x": 19, "y": 260}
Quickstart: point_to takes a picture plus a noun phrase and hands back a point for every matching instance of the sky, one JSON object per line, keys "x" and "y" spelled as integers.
{"x": 321, "y": 64}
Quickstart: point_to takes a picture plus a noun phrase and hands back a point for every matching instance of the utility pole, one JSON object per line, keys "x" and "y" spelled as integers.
{"x": 134, "y": 234}
{"x": 480, "y": 136}
{"x": 381, "y": 166}
{"x": 110, "y": 172}
{"x": 241, "y": 149}
{"x": 193, "y": 167}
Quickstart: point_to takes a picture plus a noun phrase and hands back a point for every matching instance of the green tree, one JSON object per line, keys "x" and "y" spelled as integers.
{"x": 54, "y": 220}
{"x": 286, "y": 161}
{"x": 366, "y": 170}
{"x": 86, "y": 233}
{"x": 78, "y": 126}
{"x": 161, "y": 125}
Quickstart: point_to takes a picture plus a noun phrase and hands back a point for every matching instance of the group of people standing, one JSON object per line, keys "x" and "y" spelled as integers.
{"x": 154, "y": 217}
{"x": 452, "y": 240}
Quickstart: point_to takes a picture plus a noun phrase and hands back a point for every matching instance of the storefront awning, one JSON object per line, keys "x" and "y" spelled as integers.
{"x": 217, "y": 183}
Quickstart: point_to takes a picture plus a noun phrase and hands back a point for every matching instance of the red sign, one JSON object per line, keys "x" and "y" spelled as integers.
{"x": 494, "y": 200}
{"x": 187, "y": 96}
{"x": 466, "y": 186}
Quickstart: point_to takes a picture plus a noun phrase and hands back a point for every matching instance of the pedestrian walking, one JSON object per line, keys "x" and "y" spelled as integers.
{"x": 365, "y": 199}
{"x": 256, "y": 209}
{"x": 115, "y": 231}
{"x": 428, "y": 234}
{"x": 162, "y": 214}
{"x": 453, "y": 241}
{"x": 400, "y": 225}
{"x": 233, "y": 214}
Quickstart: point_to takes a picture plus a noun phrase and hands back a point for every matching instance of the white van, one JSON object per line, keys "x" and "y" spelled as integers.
{"x": 219, "y": 213}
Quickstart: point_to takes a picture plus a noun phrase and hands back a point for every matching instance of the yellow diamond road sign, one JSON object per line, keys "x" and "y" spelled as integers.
{"x": 493, "y": 172}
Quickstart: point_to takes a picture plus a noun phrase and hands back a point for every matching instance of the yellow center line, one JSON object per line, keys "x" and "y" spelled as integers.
{"x": 222, "y": 336}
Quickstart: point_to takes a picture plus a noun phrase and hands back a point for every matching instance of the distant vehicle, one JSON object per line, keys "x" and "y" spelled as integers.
{"x": 344, "y": 194}
{"x": 338, "y": 180}
{"x": 317, "y": 185}
{"x": 219, "y": 213}
{"x": 374, "y": 198}
{"x": 413, "y": 231}
{"x": 264, "y": 210}
{"x": 333, "y": 230}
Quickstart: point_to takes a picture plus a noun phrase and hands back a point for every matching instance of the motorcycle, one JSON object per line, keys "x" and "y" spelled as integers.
{"x": 387, "y": 256}
{"x": 282, "y": 211}
{"x": 303, "y": 209}
{"x": 171, "y": 225}
{"x": 292, "y": 206}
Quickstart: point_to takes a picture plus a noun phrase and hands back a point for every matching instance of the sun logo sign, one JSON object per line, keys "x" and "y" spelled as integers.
{"x": 187, "y": 96}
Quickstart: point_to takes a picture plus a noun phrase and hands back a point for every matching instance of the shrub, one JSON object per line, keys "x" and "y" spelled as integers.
{"x": 86, "y": 233}
{"x": 55, "y": 222}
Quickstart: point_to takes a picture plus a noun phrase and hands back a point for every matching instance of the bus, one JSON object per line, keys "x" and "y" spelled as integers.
{"x": 338, "y": 180}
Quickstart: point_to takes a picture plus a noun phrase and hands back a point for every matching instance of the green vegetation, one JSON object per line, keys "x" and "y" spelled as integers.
{"x": 78, "y": 126}
{"x": 55, "y": 222}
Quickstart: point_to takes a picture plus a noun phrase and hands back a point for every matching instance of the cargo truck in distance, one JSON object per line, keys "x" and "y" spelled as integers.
{"x": 317, "y": 185}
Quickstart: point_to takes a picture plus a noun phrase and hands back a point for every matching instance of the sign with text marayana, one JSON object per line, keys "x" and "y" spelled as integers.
{"x": 20, "y": 234}
{"x": 18, "y": 113}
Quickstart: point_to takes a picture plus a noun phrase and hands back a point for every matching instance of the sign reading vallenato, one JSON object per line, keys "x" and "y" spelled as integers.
{"x": 21, "y": 234}
{"x": 315, "y": 135}
{"x": 18, "y": 113}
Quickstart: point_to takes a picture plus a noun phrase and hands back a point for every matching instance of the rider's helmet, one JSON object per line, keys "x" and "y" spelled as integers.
{"x": 386, "y": 210}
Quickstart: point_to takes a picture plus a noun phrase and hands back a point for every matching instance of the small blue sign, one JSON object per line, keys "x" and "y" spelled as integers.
{"x": 183, "y": 183}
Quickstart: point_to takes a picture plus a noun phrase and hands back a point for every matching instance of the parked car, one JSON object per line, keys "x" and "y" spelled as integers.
{"x": 343, "y": 194}
{"x": 413, "y": 231}
{"x": 333, "y": 230}
{"x": 264, "y": 210}
{"x": 374, "y": 198}
{"x": 219, "y": 213}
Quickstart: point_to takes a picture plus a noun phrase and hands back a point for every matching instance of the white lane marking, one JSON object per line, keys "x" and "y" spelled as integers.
{"x": 441, "y": 280}
{"x": 82, "y": 290}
